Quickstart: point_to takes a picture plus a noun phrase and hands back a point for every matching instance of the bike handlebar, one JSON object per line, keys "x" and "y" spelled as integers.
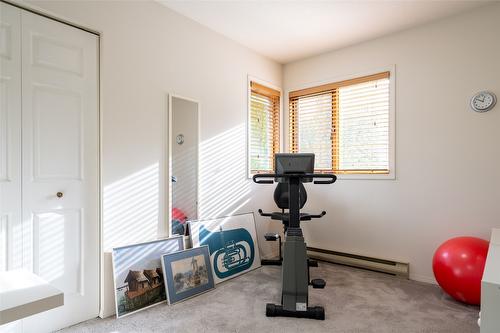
{"x": 331, "y": 177}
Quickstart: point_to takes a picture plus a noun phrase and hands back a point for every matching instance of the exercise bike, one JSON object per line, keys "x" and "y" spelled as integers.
{"x": 291, "y": 171}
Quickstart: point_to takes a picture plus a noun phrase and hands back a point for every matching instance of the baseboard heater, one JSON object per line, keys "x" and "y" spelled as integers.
{"x": 399, "y": 269}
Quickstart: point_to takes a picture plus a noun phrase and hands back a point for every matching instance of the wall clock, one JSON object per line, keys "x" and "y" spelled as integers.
{"x": 483, "y": 101}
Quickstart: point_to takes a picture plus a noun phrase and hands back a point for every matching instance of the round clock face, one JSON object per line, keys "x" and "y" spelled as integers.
{"x": 483, "y": 101}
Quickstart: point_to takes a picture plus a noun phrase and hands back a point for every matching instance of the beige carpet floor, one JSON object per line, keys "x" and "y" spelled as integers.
{"x": 356, "y": 301}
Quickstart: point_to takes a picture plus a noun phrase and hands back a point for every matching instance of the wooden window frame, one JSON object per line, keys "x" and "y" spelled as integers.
{"x": 332, "y": 86}
{"x": 269, "y": 90}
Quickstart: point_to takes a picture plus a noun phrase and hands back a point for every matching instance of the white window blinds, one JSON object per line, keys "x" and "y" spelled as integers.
{"x": 364, "y": 126}
{"x": 345, "y": 124}
{"x": 264, "y": 129}
{"x": 315, "y": 128}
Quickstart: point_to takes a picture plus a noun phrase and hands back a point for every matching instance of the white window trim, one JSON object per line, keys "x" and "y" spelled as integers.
{"x": 251, "y": 78}
{"x": 392, "y": 119}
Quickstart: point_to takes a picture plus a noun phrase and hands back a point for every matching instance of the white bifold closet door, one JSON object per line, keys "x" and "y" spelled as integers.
{"x": 10, "y": 139}
{"x": 52, "y": 156}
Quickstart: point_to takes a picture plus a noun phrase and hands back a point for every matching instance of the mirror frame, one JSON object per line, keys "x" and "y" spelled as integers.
{"x": 164, "y": 229}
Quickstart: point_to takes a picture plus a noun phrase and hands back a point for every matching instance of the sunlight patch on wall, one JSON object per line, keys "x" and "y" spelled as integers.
{"x": 224, "y": 187}
{"x": 131, "y": 208}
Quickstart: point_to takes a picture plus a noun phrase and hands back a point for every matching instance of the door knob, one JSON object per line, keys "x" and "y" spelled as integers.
{"x": 59, "y": 194}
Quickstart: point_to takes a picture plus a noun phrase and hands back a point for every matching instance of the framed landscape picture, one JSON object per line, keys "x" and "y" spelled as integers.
{"x": 138, "y": 275}
{"x": 187, "y": 273}
{"x": 232, "y": 242}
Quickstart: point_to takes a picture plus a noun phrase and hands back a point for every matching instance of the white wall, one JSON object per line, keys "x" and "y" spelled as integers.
{"x": 148, "y": 51}
{"x": 447, "y": 157}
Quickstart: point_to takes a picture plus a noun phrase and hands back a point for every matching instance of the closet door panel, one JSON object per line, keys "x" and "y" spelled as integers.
{"x": 60, "y": 166}
{"x": 10, "y": 138}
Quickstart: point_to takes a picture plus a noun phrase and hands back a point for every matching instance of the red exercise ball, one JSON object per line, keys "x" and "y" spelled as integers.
{"x": 458, "y": 266}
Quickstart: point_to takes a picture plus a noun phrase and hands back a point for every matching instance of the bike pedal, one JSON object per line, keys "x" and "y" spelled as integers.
{"x": 271, "y": 262}
{"x": 318, "y": 283}
{"x": 312, "y": 263}
{"x": 271, "y": 237}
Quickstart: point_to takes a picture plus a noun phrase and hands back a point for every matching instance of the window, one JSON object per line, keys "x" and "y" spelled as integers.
{"x": 264, "y": 127}
{"x": 346, "y": 124}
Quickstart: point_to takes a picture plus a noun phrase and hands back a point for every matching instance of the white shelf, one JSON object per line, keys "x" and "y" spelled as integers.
{"x": 492, "y": 269}
{"x": 495, "y": 236}
{"x": 490, "y": 287}
{"x": 23, "y": 294}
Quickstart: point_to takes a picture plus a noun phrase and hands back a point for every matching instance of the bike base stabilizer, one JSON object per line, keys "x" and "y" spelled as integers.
{"x": 312, "y": 312}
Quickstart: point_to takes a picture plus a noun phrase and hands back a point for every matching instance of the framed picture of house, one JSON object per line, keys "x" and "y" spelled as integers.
{"x": 232, "y": 243}
{"x": 138, "y": 275}
{"x": 187, "y": 273}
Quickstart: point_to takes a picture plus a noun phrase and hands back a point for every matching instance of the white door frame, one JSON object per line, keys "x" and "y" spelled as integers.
{"x": 22, "y": 4}
{"x": 166, "y": 187}
{"x": 56, "y": 17}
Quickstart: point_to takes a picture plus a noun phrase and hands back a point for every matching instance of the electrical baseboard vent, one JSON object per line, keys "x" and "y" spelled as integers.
{"x": 399, "y": 269}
